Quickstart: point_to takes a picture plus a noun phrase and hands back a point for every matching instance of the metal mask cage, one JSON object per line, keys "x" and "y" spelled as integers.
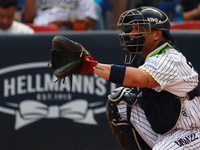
{"x": 137, "y": 46}
{"x": 144, "y": 28}
{"x": 132, "y": 38}
{"x": 132, "y": 42}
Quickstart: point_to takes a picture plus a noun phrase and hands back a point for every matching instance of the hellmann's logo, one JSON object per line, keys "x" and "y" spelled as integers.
{"x": 29, "y": 92}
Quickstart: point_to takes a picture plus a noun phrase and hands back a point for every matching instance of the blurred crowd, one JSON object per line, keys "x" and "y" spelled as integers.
{"x": 16, "y": 15}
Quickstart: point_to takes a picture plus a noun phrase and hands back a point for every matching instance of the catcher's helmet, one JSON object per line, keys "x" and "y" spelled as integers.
{"x": 150, "y": 18}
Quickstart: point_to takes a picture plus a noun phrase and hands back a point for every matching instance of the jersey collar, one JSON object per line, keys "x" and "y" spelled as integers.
{"x": 162, "y": 45}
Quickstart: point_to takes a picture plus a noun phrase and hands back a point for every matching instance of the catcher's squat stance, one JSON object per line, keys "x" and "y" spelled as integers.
{"x": 163, "y": 107}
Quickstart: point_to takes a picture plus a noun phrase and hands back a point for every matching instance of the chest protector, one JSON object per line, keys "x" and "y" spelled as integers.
{"x": 162, "y": 109}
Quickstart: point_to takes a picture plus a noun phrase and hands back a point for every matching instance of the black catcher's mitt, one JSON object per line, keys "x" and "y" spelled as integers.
{"x": 66, "y": 56}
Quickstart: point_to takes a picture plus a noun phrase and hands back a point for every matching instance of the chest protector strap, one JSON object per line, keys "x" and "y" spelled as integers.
{"x": 193, "y": 93}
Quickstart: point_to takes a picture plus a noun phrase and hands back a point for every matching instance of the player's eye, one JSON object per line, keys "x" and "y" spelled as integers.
{"x": 128, "y": 29}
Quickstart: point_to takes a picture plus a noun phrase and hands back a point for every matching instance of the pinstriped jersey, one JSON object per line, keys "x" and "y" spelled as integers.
{"x": 176, "y": 75}
{"x": 172, "y": 71}
{"x": 51, "y": 10}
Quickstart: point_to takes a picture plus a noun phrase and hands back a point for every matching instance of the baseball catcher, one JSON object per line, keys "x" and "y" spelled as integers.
{"x": 161, "y": 109}
{"x": 70, "y": 58}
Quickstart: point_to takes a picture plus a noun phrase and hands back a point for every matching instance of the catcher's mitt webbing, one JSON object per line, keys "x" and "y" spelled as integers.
{"x": 66, "y": 56}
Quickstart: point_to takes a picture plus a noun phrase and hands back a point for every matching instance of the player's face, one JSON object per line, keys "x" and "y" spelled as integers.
{"x": 147, "y": 34}
{"x": 138, "y": 31}
{"x": 7, "y": 17}
{"x": 149, "y": 44}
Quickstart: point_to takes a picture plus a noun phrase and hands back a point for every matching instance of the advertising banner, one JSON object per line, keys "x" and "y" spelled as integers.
{"x": 39, "y": 112}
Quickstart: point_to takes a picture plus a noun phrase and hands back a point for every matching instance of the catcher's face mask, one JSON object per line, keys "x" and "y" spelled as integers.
{"x": 137, "y": 23}
{"x": 134, "y": 28}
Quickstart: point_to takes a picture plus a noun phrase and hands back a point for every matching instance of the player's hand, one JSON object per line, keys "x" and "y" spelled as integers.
{"x": 88, "y": 64}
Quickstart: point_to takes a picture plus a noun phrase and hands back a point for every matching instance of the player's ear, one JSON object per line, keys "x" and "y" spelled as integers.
{"x": 158, "y": 34}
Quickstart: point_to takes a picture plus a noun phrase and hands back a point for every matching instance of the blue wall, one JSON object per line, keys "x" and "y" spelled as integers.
{"x": 36, "y": 113}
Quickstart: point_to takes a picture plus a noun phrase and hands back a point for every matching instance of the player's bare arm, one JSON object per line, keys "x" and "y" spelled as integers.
{"x": 133, "y": 76}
